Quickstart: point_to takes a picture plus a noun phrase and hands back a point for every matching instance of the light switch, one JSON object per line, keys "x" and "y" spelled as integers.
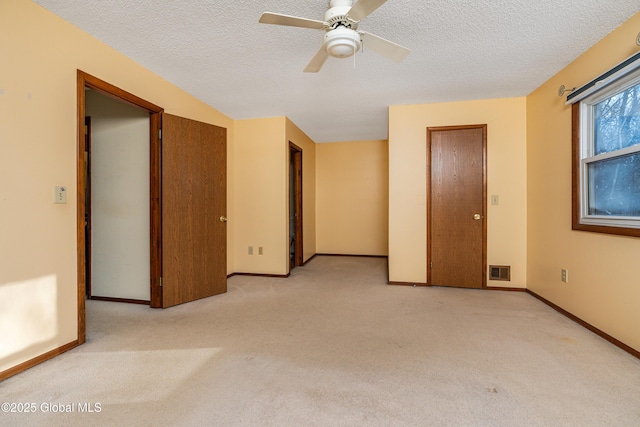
{"x": 495, "y": 199}
{"x": 60, "y": 194}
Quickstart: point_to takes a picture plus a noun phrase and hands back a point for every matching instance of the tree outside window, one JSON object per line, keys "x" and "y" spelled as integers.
{"x": 606, "y": 187}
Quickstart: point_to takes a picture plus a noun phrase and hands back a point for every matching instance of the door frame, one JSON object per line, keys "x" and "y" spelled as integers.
{"x": 295, "y": 153}
{"x": 85, "y": 80}
{"x": 87, "y": 216}
{"x": 484, "y": 195}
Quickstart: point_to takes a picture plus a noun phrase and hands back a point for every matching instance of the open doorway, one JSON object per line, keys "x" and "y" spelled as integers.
{"x": 295, "y": 207}
{"x": 185, "y": 159}
{"x": 86, "y": 168}
{"x": 117, "y": 202}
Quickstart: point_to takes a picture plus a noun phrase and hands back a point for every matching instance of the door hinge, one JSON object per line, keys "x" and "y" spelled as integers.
{"x": 159, "y": 133}
{"x": 160, "y": 281}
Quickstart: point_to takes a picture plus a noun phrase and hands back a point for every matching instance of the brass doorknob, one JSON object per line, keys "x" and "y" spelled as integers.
{"x": 223, "y": 219}
{"x": 477, "y": 217}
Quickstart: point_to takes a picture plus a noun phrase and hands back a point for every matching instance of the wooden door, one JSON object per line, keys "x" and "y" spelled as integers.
{"x": 193, "y": 206}
{"x": 456, "y": 223}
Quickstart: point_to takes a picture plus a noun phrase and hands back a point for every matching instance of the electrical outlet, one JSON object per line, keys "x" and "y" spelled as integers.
{"x": 260, "y": 251}
{"x": 565, "y": 275}
{"x": 250, "y": 250}
{"x": 60, "y": 194}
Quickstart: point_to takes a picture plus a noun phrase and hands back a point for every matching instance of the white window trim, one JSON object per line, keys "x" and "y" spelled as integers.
{"x": 631, "y": 78}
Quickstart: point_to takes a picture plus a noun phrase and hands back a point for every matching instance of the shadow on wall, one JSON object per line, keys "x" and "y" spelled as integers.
{"x": 28, "y": 318}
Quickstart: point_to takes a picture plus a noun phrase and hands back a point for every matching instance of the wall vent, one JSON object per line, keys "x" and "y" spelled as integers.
{"x": 500, "y": 272}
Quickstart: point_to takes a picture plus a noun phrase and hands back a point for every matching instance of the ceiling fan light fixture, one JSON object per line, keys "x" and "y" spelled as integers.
{"x": 343, "y": 37}
{"x": 342, "y": 42}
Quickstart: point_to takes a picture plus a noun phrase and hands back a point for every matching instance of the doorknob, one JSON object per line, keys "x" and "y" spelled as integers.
{"x": 223, "y": 219}
{"x": 477, "y": 217}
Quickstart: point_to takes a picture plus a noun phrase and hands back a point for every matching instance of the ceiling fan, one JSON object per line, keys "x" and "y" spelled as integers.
{"x": 342, "y": 38}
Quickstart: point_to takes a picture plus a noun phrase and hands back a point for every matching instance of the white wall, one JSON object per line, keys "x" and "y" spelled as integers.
{"x": 120, "y": 207}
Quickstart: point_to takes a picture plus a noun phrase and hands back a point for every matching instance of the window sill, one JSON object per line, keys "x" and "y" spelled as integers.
{"x": 620, "y": 231}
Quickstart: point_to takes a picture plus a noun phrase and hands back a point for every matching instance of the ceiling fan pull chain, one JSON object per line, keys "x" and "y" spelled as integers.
{"x": 355, "y": 52}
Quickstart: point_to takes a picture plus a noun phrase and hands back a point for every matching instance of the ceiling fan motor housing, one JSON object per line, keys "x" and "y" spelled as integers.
{"x": 336, "y": 15}
{"x": 342, "y": 41}
{"x": 341, "y": 3}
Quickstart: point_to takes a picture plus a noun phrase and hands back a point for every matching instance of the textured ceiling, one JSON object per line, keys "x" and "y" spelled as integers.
{"x": 460, "y": 50}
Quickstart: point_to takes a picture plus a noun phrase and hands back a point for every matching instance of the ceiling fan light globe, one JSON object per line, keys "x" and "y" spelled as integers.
{"x": 342, "y": 42}
{"x": 339, "y": 50}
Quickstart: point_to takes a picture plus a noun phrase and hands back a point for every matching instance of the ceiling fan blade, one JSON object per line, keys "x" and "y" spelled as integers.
{"x": 291, "y": 21}
{"x": 384, "y": 47}
{"x": 317, "y": 61}
{"x": 363, "y": 8}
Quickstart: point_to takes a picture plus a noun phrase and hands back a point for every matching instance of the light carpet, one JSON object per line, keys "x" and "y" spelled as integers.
{"x": 333, "y": 345}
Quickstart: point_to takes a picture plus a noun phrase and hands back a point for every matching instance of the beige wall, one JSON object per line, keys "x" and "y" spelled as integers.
{"x": 261, "y": 191}
{"x": 38, "y": 280}
{"x": 604, "y": 272}
{"x": 506, "y": 174}
{"x": 299, "y": 138}
{"x": 528, "y": 167}
{"x": 261, "y": 199}
{"x": 352, "y": 197}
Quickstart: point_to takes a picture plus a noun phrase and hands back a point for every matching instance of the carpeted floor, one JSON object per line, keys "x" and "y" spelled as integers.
{"x": 333, "y": 345}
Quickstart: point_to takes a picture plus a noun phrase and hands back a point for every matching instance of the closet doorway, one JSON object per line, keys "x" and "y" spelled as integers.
{"x": 296, "y": 256}
{"x": 117, "y": 200}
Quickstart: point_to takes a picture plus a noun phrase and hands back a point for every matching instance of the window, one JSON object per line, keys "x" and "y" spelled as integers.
{"x": 606, "y": 166}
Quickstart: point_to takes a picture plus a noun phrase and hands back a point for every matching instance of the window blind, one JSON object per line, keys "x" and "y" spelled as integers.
{"x": 625, "y": 67}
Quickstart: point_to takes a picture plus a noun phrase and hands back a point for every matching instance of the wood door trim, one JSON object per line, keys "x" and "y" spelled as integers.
{"x": 430, "y": 130}
{"x": 155, "y": 124}
{"x": 115, "y": 92}
{"x": 87, "y": 216}
{"x": 85, "y": 80}
{"x": 299, "y": 246}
